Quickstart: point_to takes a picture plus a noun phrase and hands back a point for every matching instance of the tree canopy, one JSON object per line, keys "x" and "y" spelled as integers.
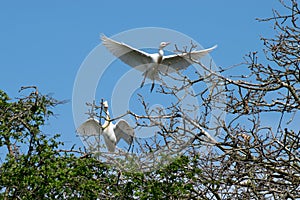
{"x": 247, "y": 159}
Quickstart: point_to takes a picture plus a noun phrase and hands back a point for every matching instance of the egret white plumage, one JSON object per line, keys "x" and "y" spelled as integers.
{"x": 112, "y": 133}
{"x": 152, "y": 64}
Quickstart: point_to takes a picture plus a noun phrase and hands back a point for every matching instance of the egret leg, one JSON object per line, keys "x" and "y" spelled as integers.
{"x": 143, "y": 82}
{"x": 152, "y": 86}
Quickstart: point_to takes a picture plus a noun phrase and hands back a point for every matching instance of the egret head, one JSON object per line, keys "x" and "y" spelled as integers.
{"x": 163, "y": 45}
{"x": 105, "y": 105}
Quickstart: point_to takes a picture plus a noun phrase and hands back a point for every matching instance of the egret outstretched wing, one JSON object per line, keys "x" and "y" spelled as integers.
{"x": 152, "y": 64}
{"x": 182, "y": 61}
{"x": 90, "y": 127}
{"x": 129, "y": 55}
{"x": 124, "y": 131}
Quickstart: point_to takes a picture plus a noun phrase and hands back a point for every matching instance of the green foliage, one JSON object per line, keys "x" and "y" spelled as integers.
{"x": 41, "y": 170}
{"x": 245, "y": 165}
{"x": 36, "y": 167}
{"x": 174, "y": 181}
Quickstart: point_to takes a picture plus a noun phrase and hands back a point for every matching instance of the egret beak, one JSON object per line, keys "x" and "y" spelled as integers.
{"x": 105, "y": 105}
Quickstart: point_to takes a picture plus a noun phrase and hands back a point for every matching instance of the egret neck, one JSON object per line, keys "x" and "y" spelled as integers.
{"x": 107, "y": 119}
{"x": 160, "y": 56}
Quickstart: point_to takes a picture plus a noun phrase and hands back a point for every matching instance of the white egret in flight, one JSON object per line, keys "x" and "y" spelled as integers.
{"x": 152, "y": 64}
{"x": 112, "y": 133}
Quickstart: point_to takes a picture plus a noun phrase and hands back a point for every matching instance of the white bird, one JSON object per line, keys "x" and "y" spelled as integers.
{"x": 152, "y": 64}
{"x": 112, "y": 133}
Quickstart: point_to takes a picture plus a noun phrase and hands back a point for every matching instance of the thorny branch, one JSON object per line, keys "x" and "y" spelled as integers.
{"x": 245, "y": 157}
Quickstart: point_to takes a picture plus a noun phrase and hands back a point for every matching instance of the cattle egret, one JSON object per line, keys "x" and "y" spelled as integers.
{"x": 152, "y": 64}
{"x": 112, "y": 133}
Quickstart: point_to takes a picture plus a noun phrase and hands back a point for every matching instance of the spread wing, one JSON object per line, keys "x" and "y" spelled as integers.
{"x": 182, "y": 61}
{"x": 124, "y": 131}
{"x": 90, "y": 127}
{"x": 129, "y": 55}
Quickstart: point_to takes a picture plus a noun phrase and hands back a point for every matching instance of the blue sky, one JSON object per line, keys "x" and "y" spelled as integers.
{"x": 44, "y": 43}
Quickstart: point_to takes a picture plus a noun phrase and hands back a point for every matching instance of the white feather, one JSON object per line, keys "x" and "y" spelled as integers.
{"x": 151, "y": 64}
{"x": 112, "y": 133}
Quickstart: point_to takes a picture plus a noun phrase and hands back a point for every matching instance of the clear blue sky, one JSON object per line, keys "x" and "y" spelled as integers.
{"x": 43, "y": 43}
